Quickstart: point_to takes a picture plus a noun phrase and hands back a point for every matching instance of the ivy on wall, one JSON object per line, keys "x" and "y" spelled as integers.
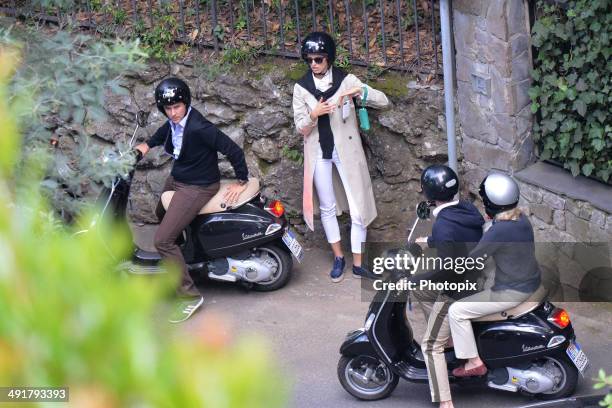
{"x": 571, "y": 90}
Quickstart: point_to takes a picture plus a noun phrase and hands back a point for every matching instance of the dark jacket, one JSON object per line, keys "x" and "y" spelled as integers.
{"x": 198, "y": 163}
{"x": 512, "y": 246}
{"x": 456, "y": 231}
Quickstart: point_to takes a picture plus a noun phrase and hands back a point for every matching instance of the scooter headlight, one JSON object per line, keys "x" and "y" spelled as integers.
{"x": 369, "y": 321}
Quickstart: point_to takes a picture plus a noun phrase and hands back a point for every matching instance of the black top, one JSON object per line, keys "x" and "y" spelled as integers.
{"x": 455, "y": 232}
{"x": 511, "y": 245}
{"x": 197, "y": 162}
{"x": 326, "y": 135}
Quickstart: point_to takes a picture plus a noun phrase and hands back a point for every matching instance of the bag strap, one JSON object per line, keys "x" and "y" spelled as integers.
{"x": 365, "y": 96}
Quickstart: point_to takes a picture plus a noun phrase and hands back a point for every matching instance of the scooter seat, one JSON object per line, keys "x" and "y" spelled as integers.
{"x": 527, "y": 306}
{"x": 217, "y": 203}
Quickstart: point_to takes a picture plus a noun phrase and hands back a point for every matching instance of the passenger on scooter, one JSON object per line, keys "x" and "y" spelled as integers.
{"x": 510, "y": 242}
{"x": 193, "y": 142}
{"x": 458, "y": 223}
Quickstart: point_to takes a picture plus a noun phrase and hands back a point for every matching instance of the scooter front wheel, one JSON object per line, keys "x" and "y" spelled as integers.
{"x": 366, "y": 377}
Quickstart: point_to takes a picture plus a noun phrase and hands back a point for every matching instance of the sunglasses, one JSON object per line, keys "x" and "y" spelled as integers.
{"x": 316, "y": 60}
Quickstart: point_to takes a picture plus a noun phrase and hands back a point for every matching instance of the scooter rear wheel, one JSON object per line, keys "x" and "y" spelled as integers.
{"x": 366, "y": 377}
{"x": 567, "y": 378}
{"x": 281, "y": 276}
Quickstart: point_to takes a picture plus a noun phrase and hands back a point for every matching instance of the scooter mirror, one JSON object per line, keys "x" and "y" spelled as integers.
{"x": 423, "y": 209}
{"x": 142, "y": 118}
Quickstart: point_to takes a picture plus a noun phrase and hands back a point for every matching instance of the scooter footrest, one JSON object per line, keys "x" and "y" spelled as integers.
{"x": 146, "y": 257}
{"x": 410, "y": 372}
{"x": 138, "y": 269}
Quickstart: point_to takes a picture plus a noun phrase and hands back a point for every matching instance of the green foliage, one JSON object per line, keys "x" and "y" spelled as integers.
{"x": 119, "y": 15}
{"x": 211, "y": 70}
{"x": 572, "y": 86}
{"x": 70, "y": 320}
{"x": 392, "y": 84}
{"x": 296, "y": 71}
{"x": 158, "y": 41}
{"x": 604, "y": 381}
{"x": 343, "y": 58}
{"x": 237, "y": 56}
{"x": 374, "y": 72}
{"x": 293, "y": 154}
{"x": 66, "y": 78}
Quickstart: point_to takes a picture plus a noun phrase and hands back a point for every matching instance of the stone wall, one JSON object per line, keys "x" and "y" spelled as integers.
{"x": 253, "y": 106}
{"x": 492, "y": 66}
{"x": 557, "y": 218}
{"x": 492, "y": 40}
{"x": 571, "y": 217}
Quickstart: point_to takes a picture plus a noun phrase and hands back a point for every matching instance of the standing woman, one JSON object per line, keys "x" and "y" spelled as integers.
{"x": 332, "y": 139}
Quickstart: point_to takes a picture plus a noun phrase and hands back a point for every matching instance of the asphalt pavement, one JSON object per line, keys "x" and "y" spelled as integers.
{"x": 306, "y": 321}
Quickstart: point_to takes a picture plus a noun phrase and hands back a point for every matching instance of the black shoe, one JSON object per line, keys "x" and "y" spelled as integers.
{"x": 360, "y": 272}
{"x": 337, "y": 272}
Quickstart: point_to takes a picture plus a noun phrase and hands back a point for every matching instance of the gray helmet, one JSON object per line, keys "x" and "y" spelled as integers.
{"x": 499, "y": 193}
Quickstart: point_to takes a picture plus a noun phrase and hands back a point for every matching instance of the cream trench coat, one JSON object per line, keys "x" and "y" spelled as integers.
{"x": 357, "y": 196}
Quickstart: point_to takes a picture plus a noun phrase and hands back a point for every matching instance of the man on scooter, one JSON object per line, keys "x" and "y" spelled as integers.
{"x": 193, "y": 142}
{"x": 457, "y": 224}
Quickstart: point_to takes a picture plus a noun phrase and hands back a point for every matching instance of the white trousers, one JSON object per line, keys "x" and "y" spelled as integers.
{"x": 327, "y": 203}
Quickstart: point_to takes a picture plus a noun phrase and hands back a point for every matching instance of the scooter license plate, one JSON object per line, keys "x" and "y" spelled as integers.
{"x": 577, "y": 356}
{"x": 293, "y": 245}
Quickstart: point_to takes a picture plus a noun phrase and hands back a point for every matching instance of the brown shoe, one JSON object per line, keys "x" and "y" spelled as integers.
{"x": 472, "y": 372}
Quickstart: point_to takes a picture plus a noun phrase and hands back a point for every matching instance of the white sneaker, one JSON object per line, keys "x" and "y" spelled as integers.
{"x": 185, "y": 309}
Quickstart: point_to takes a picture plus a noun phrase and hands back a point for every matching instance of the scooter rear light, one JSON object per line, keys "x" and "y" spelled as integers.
{"x": 276, "y": 208}
{"x": 560, "y": 318}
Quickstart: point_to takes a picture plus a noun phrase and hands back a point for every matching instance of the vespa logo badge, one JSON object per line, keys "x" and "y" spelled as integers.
{"x": 531, "y": 348}
{"x": 249, "y": 236}
{"x": 169, "y": 93}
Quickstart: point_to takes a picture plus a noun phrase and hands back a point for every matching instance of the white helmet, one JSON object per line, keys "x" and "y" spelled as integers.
{"x": 499, "y": 193}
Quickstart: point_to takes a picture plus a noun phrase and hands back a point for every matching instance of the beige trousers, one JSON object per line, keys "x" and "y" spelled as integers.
{"x": 480, "y": 304}
{"x": 435, "y": 308}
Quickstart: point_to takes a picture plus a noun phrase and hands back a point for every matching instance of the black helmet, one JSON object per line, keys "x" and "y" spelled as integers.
{"x": 170, "y": 91}
{"x": 499, "y": 193}
{"x": 439, "y": 182}
{"x": 319, "y": 43}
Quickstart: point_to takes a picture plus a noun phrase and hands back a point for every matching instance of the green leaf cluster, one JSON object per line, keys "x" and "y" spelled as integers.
{"x": 71, "y": 320}
{"x": 239, "y": 55}
{"x": 158, "y": 40}
{"x": 604, "y": 381}
{"x": 58, "y": 90}
{"x": 571, "y": 94}
{"x": 293, "y": 154}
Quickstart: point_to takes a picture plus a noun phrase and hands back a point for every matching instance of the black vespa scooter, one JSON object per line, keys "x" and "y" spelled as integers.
{"x": 249, "y": 242}
{"x": 530, "y": 348}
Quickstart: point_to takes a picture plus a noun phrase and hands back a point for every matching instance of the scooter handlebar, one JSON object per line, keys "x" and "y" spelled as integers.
{"x": 138, "y": 154}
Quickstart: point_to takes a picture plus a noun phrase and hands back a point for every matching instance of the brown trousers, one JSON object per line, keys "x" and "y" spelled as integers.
{"x": 186, "y": 203}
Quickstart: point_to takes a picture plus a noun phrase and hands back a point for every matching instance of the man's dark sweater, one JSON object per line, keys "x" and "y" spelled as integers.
{"x": 455, "y": 232}
{"x": 197, "y": 162}
{"x": 511, "y": 245}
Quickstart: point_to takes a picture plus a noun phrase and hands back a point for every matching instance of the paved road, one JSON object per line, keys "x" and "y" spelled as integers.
{"x": 306, "y": 321}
